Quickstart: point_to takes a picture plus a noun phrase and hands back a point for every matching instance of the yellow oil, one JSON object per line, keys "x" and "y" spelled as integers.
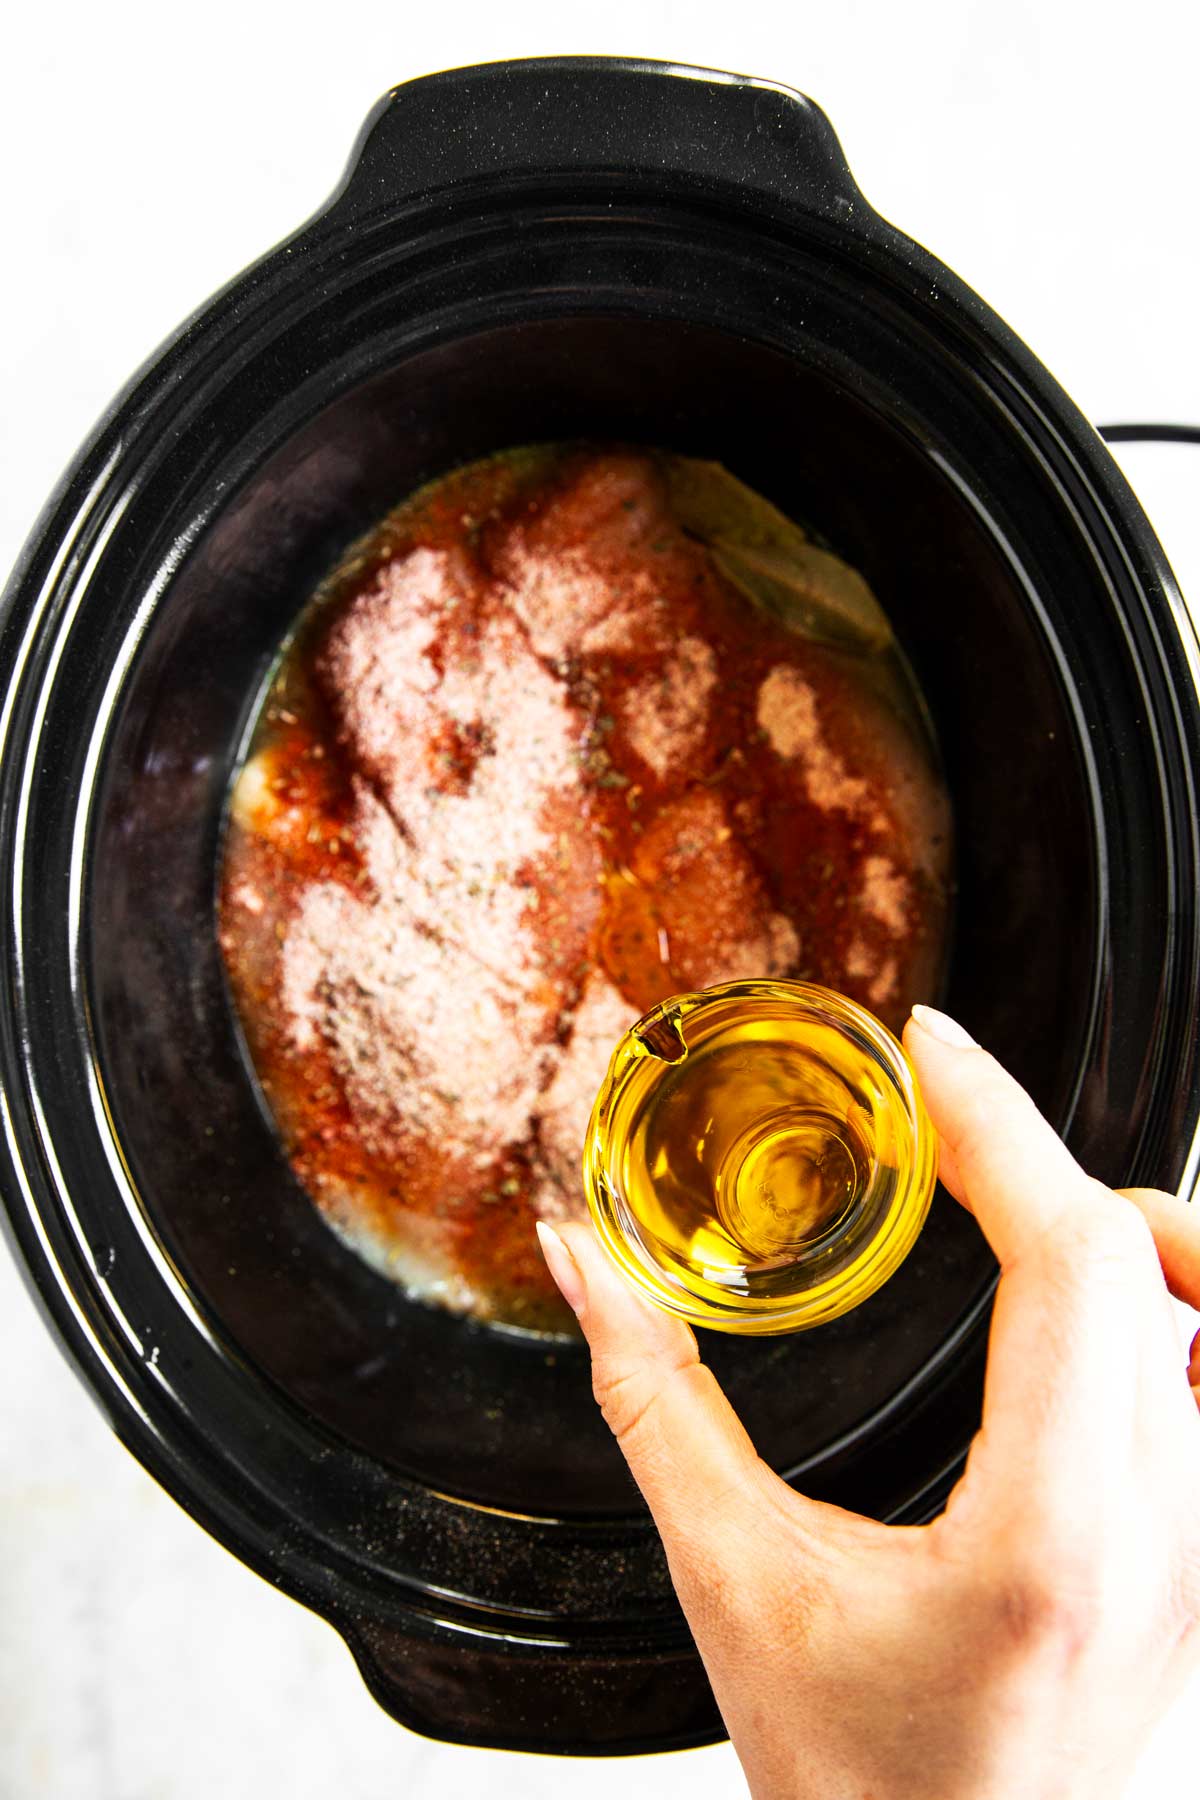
{"x": 759, "y": 1158}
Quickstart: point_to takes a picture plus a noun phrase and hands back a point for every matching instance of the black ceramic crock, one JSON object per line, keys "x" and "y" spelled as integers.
{"x": 545, "y": 250}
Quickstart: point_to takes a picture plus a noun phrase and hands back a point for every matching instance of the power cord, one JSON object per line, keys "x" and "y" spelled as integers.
{"x": 1150, "y": 434}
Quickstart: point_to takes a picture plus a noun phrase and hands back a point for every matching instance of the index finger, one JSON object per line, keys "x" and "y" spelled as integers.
{"x": 1175, "y": 1226}
{"x": 1010, "y": 1168}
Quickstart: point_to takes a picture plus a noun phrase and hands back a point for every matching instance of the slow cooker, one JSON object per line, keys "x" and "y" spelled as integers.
{"x": 543, "y": 250}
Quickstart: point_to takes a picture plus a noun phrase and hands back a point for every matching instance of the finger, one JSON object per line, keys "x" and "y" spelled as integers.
{"x": 686, "y": 1447}
{"x": 1005, "y": 1162}
{"x": 1082, "y": 1332}
{"x": 680, "y": 1436}
{"x": 1175, "y": 1226}
{"x": 949, "y": 1175}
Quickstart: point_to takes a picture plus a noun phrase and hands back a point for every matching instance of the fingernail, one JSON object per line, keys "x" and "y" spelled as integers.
{"x": 562, "y": 1266}
{"x": 945, "y": 1029}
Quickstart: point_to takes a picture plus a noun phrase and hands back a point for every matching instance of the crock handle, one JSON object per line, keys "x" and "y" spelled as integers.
{"x": 556, "y": 115}
{"x": 541, "y": 1696}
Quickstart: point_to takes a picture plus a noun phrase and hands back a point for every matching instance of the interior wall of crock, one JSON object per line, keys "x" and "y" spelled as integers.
{"x": 497, "y": 1418}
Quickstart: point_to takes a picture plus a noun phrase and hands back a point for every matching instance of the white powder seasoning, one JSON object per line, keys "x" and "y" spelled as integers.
{"x": 665, "y": 717}
{"x": 430, "y": 984}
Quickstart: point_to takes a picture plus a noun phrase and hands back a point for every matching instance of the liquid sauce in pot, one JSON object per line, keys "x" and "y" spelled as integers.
{"x": 574, "y": 729}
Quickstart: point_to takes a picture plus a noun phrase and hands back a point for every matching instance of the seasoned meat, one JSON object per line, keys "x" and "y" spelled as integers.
{"x": 534, "y": 762}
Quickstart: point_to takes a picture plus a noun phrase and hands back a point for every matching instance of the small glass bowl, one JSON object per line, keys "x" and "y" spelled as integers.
{"x": 759, "y": 1159}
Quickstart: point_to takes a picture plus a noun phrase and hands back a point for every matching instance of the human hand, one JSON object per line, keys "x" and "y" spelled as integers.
{"x": 1021, "y": 1644}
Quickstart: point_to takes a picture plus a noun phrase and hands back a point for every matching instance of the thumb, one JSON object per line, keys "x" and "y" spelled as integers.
{"x": 721, "y": 1512}
{"x": 686, "y": 1447}
{"x": 740, "y": 1543}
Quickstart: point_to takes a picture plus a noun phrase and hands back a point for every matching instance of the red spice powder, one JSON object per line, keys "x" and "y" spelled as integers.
{"x": 531, "y": 765}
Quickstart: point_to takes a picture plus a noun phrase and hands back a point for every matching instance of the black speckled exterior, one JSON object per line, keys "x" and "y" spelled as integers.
{"x": 522, "y": 251}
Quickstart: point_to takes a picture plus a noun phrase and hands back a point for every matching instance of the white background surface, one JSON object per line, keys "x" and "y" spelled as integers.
{"x": 1048, "y": 152}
